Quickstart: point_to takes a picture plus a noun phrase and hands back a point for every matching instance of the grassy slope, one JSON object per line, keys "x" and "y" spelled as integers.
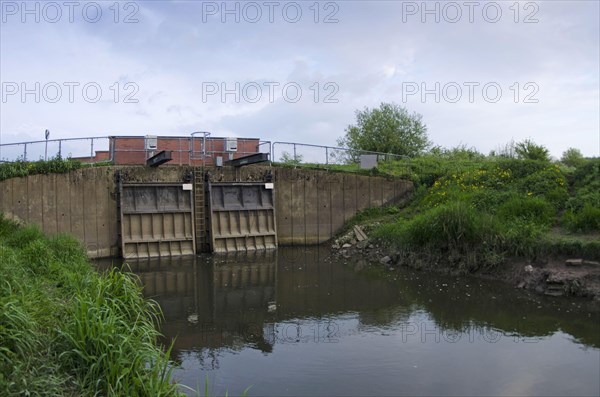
{"x": 65, "y": 330}
{"x": 471, "y": 214}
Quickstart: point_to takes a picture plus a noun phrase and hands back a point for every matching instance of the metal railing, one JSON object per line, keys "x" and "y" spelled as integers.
{"x": 51, "y": 148}
{"x": 197, "y": 149}
{"x": 329, "y": 157}
{"x": 190, "y": 150}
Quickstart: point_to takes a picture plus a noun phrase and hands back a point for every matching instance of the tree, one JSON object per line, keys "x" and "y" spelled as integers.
{"x": 388, "y": 129}
{"x": 572, "y": 157}
{"x": 529, "y": 150}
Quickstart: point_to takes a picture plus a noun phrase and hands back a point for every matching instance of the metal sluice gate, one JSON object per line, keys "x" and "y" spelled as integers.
{"x": 158, "y": 220}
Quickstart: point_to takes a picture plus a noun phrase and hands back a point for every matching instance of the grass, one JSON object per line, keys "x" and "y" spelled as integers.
{"x": 66, "y": 330}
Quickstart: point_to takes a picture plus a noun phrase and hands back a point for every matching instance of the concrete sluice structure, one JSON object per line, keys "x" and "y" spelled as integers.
{"x": 142, "y": 212}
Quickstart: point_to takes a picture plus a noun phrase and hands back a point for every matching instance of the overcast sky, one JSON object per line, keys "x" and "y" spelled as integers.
{"x": 480, "y": 73}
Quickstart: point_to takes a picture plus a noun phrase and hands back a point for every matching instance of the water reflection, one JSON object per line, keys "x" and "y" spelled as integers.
{"x": 322, "y": 325}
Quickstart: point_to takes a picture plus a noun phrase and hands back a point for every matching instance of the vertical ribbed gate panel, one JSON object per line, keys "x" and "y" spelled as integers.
{"x": 242, "y": 216}
{"x": 156, "y": 220}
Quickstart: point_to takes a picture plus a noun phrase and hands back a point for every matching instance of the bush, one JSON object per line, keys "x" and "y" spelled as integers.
{"x": 455, "y": 233}
{"x": 531, "y": 209}
{"x": 529, "y": 150}
{"x": 520, "y": 237}
{"x": 585, "y": 220}
{"x": 521, "y": 168}
{"x": 572, "y": 157}
{"x": 549, "y": 183}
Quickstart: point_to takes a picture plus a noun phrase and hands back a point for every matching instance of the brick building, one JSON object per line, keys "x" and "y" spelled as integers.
{"x": 185, "y": 150}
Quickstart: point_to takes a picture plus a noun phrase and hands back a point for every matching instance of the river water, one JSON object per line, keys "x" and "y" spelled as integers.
{"x": 296, "y": 322}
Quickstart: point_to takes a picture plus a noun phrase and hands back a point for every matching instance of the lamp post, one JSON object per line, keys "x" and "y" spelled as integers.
{"x": 47, "y": 134}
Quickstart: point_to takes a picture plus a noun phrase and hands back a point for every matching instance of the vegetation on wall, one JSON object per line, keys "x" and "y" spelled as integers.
{"x": 20, "y": 168}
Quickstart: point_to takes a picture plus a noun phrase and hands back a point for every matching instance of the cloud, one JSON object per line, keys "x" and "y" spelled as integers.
{"x": 369, "y": 56}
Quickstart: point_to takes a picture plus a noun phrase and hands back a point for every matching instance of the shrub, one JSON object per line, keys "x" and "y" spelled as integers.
{"x": 532, "y": 209}
{"x": 572, "y": 157}
{"x": 585, "y": 220}
{"x": 456, "y": 234}
{"x": 529, "y": 150}
{"x": 549, "y": 183}
{"x": 521, "y": 168}
{"x": 520, "y": 237}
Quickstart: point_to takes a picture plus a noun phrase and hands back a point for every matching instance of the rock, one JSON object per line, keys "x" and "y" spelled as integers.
{"x": 347, "y": 245}
{"x": 371, "y": 246}
{"x": 193, "y": 318}
{"x": 359, "y": 233}
{"x": 385, "y": 260}
{"x": 521, "y": 285}
{"x": 574, "y": 262}
{"x": 529, "y": 268}
{"x": 335, "y": 246}
{"x": 361, "y": 244}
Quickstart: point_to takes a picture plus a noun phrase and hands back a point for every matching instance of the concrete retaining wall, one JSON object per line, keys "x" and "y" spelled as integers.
{"x": 81, "y": 203}
{"x": 311, "y": 205}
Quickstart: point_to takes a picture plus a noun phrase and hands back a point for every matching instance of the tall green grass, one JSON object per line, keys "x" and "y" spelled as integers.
{"x": 455, "y": 234}
{"x": 66, "y": 330}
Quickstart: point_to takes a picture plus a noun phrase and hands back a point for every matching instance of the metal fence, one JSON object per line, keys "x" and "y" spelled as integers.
{"x": 197, "y": 149}
{"x": 80, "y": 148}
{"x": 332, "y": 157}
{"x": 184, "y": 150}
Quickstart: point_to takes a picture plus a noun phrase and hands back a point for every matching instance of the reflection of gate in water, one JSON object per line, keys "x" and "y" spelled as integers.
{"x": 242, "y": 216}
{"x": 156, "y": 220}
{"x": 209, "y": 296}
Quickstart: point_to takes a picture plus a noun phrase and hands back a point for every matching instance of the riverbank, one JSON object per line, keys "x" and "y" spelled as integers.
{"x": 535, "y": 224}
{"x": 564, "y": 276}
{"x": 67, "y": 330}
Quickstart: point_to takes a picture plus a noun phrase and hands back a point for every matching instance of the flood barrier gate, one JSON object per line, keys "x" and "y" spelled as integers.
{"x": 241, "y": 216}
{"x": 156, "y": 220}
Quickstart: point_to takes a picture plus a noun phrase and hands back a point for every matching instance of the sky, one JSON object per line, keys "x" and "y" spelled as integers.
{"x": 480, "y": 73}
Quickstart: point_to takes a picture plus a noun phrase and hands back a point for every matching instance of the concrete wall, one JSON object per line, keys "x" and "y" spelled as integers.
{"x": 81, "y": 203}
{"x": 311, "y": 205}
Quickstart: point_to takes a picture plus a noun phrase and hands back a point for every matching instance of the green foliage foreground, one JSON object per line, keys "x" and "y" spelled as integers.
{"x": 66, "y": 330}
{"x": 467, "y": 218}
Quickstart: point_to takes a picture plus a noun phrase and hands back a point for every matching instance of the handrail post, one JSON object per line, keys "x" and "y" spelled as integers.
{"x": 25, "y": 152}
{"x": 60, "y": 148}
{"x": 92, "y": 150}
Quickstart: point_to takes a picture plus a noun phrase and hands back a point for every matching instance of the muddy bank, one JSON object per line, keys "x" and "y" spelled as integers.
{"x": 559, "y": 276}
